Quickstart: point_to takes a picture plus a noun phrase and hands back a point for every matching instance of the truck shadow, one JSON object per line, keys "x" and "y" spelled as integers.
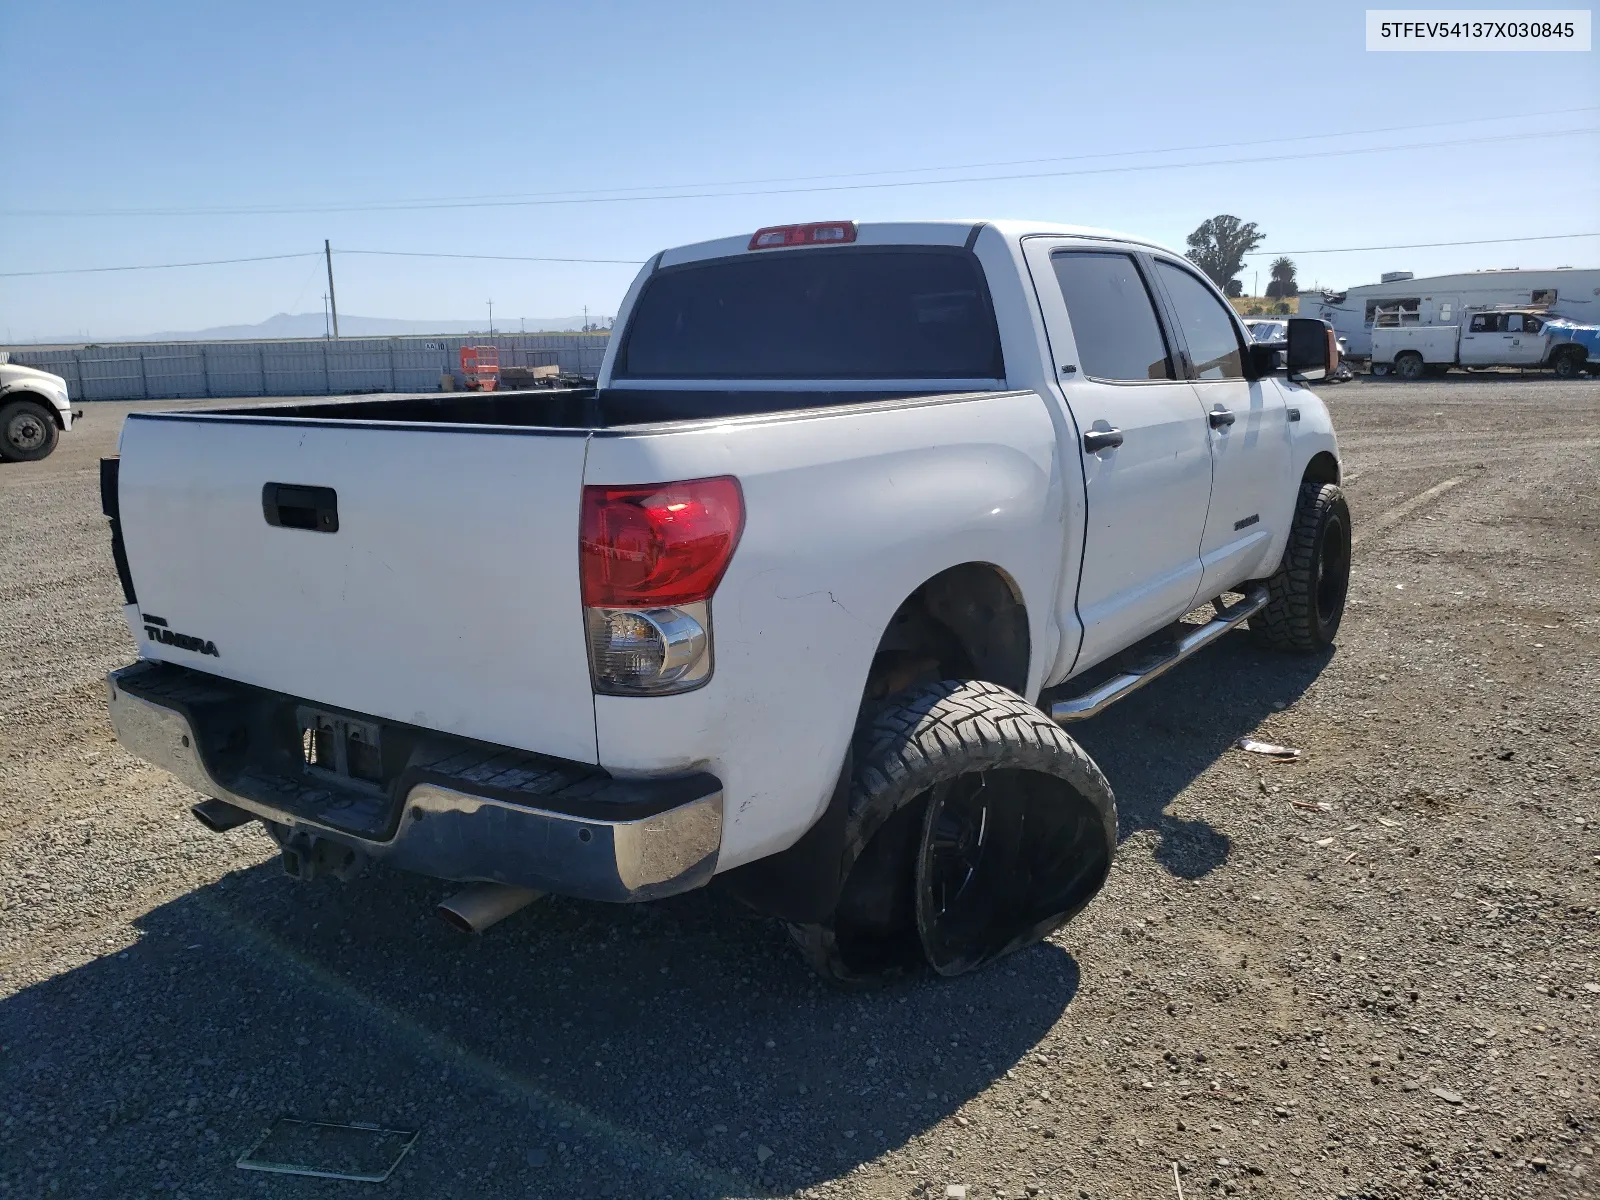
{"x": 1156, "y": 742}
{"x": 674, "y": 1049}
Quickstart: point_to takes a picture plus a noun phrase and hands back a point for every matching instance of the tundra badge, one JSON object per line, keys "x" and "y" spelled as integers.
{"x": 155, "y": 628}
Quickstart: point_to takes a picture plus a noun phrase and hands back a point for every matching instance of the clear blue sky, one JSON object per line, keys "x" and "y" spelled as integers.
{"x": 187, "y": 106}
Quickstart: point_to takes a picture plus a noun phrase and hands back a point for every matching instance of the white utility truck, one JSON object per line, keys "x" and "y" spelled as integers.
{"x": 34, "y": 411}
{"x": 1401, "y": 298}
{"x": 798, "y": 597}
{"x": 1514, "y": 337}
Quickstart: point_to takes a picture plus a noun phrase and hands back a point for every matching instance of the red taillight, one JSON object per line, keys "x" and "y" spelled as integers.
{"x": 818, "y": 233}
{"x": 660, "y": 544}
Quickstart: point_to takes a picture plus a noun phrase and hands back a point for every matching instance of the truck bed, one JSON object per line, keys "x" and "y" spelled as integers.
{"x": 562, "y": 408}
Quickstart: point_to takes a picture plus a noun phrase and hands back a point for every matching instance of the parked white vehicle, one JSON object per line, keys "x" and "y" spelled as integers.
{"x": 1506, "y": 338}
{"x": 789, "y": 600}
{"x": 1267, "y": 329}
{"x": 34, "y": 411}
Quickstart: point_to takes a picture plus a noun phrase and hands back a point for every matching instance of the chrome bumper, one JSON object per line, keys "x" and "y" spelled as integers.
{"x": 451, "y": 832}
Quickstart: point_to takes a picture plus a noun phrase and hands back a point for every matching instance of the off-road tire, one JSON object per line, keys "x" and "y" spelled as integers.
{"x": 904, "y": 747}
{"x": 1409, "y": 366}
{"x": 36, "y": 426}
{"x": 1567, "y": 364}
{"x": 1309, "y": 588}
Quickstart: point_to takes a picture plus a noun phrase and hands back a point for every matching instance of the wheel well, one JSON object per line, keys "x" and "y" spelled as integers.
{"x": 42, "y": 401}
{"x": 965, "y": 623}
{"x": 1323, "y": 468}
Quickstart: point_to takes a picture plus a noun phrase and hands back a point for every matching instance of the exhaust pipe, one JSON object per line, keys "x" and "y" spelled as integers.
{"x": 475, "y": 908}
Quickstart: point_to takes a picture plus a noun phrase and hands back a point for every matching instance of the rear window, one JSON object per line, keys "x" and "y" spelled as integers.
{"x": 849, "y": 313}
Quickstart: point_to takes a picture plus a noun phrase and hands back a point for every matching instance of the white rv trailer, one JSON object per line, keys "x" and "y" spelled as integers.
{"x": 1400, "y": 299}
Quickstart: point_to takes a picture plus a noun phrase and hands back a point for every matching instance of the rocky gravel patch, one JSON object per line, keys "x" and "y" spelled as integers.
{"x": 1371, "y": 972}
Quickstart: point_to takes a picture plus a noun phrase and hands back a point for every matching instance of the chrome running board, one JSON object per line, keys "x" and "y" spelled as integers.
{"x": 1114, "y": 689}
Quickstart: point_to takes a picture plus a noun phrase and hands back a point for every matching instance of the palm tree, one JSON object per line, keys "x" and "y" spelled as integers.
{"x": 1282, "y": 285}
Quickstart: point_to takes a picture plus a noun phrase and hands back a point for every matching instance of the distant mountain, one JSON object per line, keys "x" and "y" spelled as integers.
{"x": 311, "y": 325}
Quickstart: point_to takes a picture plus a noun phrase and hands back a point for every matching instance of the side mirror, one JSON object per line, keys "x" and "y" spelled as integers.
{"x": 1312, "y": 352}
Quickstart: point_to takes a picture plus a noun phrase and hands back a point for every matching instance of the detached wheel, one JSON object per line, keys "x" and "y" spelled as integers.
{"x": 1568, "y": 365}
{"x": 976, "y": 827}
{"x": 28, "y": 431}
{"x": 1381, "y": 370}
{"x": 1409, "y": 365}
{"x": 1309, "y": 589}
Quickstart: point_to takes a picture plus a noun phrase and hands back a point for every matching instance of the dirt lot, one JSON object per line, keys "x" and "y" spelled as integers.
{"x": 1373, "y": 972}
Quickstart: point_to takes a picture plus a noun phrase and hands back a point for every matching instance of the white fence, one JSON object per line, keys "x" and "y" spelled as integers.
{"x": 298, "y": 367}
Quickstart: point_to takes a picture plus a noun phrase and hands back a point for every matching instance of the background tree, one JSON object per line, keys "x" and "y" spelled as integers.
{"x": 1218, "y": 247}
{"x": 1282, "y": 285}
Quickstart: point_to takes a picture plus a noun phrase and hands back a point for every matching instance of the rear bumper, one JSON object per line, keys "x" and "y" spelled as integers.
{"x": 460, "y": 810}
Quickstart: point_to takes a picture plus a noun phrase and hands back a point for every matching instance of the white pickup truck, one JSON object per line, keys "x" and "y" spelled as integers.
{"x": 1499, "y": 338}
{"x": 34, "y": 411}
{"x": 776, "y": 602}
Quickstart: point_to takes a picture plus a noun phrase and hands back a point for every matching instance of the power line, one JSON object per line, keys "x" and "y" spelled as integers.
{"x": 629, "y": 262}
{"x": 214, "y": 262}
{"x": 210, "y": 262}
{"x": 634, "y": 262}
{"x": 417, "y": 206}
{"x": 511, "y": 196}
{"x": 1542, "y": 237}
{"x": 1018, "y": 162}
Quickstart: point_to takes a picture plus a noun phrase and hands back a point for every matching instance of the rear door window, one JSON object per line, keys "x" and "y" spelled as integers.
{"x": 1206, "y": 323}
{"x": 1113, "y": 318}
{"x": 916, "y": 312}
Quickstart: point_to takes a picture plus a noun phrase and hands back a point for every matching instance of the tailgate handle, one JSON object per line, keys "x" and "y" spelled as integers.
{"x": 296, "y": 506}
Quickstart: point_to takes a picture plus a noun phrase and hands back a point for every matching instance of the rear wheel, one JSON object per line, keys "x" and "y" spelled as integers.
{"x": 976, "y": 827}
{"x": 1568, "y": 364}
{"x": 28, "y": 431}
{"x": 1309, "y": 589}
{"x": 1409, "y": 365}
{"x": 1381, "y": 370}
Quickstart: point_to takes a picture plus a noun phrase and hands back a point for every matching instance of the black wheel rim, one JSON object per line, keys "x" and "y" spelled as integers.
{"x": 26, "y": 432}
{"x": 1333, "y": 570}
{"x": 956, "y": 842}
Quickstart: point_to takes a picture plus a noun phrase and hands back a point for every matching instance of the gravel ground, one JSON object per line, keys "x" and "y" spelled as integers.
{"x": 1372, "y": 972}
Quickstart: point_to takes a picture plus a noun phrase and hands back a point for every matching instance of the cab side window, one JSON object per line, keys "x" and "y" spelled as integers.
{"x": 1514, "y": 323}
{"x": 1113, "y": 319}
{"x": 1484, "y": 323}
{"x": 1206, "y": 323}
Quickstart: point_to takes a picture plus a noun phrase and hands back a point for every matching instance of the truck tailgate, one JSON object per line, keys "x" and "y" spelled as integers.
{"x": 447, "y": 597}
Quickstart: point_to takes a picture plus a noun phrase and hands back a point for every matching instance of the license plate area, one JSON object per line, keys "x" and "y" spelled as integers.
{"x": 341, "y": 748}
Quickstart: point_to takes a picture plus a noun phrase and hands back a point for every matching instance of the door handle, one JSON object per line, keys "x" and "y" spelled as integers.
{"x": 296, "y": 506}
{"x": 1221, "y": 417}
{"x": 1097, "y": 440}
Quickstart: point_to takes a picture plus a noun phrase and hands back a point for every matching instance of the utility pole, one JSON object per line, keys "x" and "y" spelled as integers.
{"x": 327, "y": 251}
{"x": 586, "y": 318}
{"x": 491, "y": 318}
{"x": 1255, "y": 288}
{"x": 324, "y": 314}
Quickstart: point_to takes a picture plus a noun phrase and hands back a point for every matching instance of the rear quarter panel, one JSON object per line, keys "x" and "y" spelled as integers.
{"x": 846, "y": 513}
